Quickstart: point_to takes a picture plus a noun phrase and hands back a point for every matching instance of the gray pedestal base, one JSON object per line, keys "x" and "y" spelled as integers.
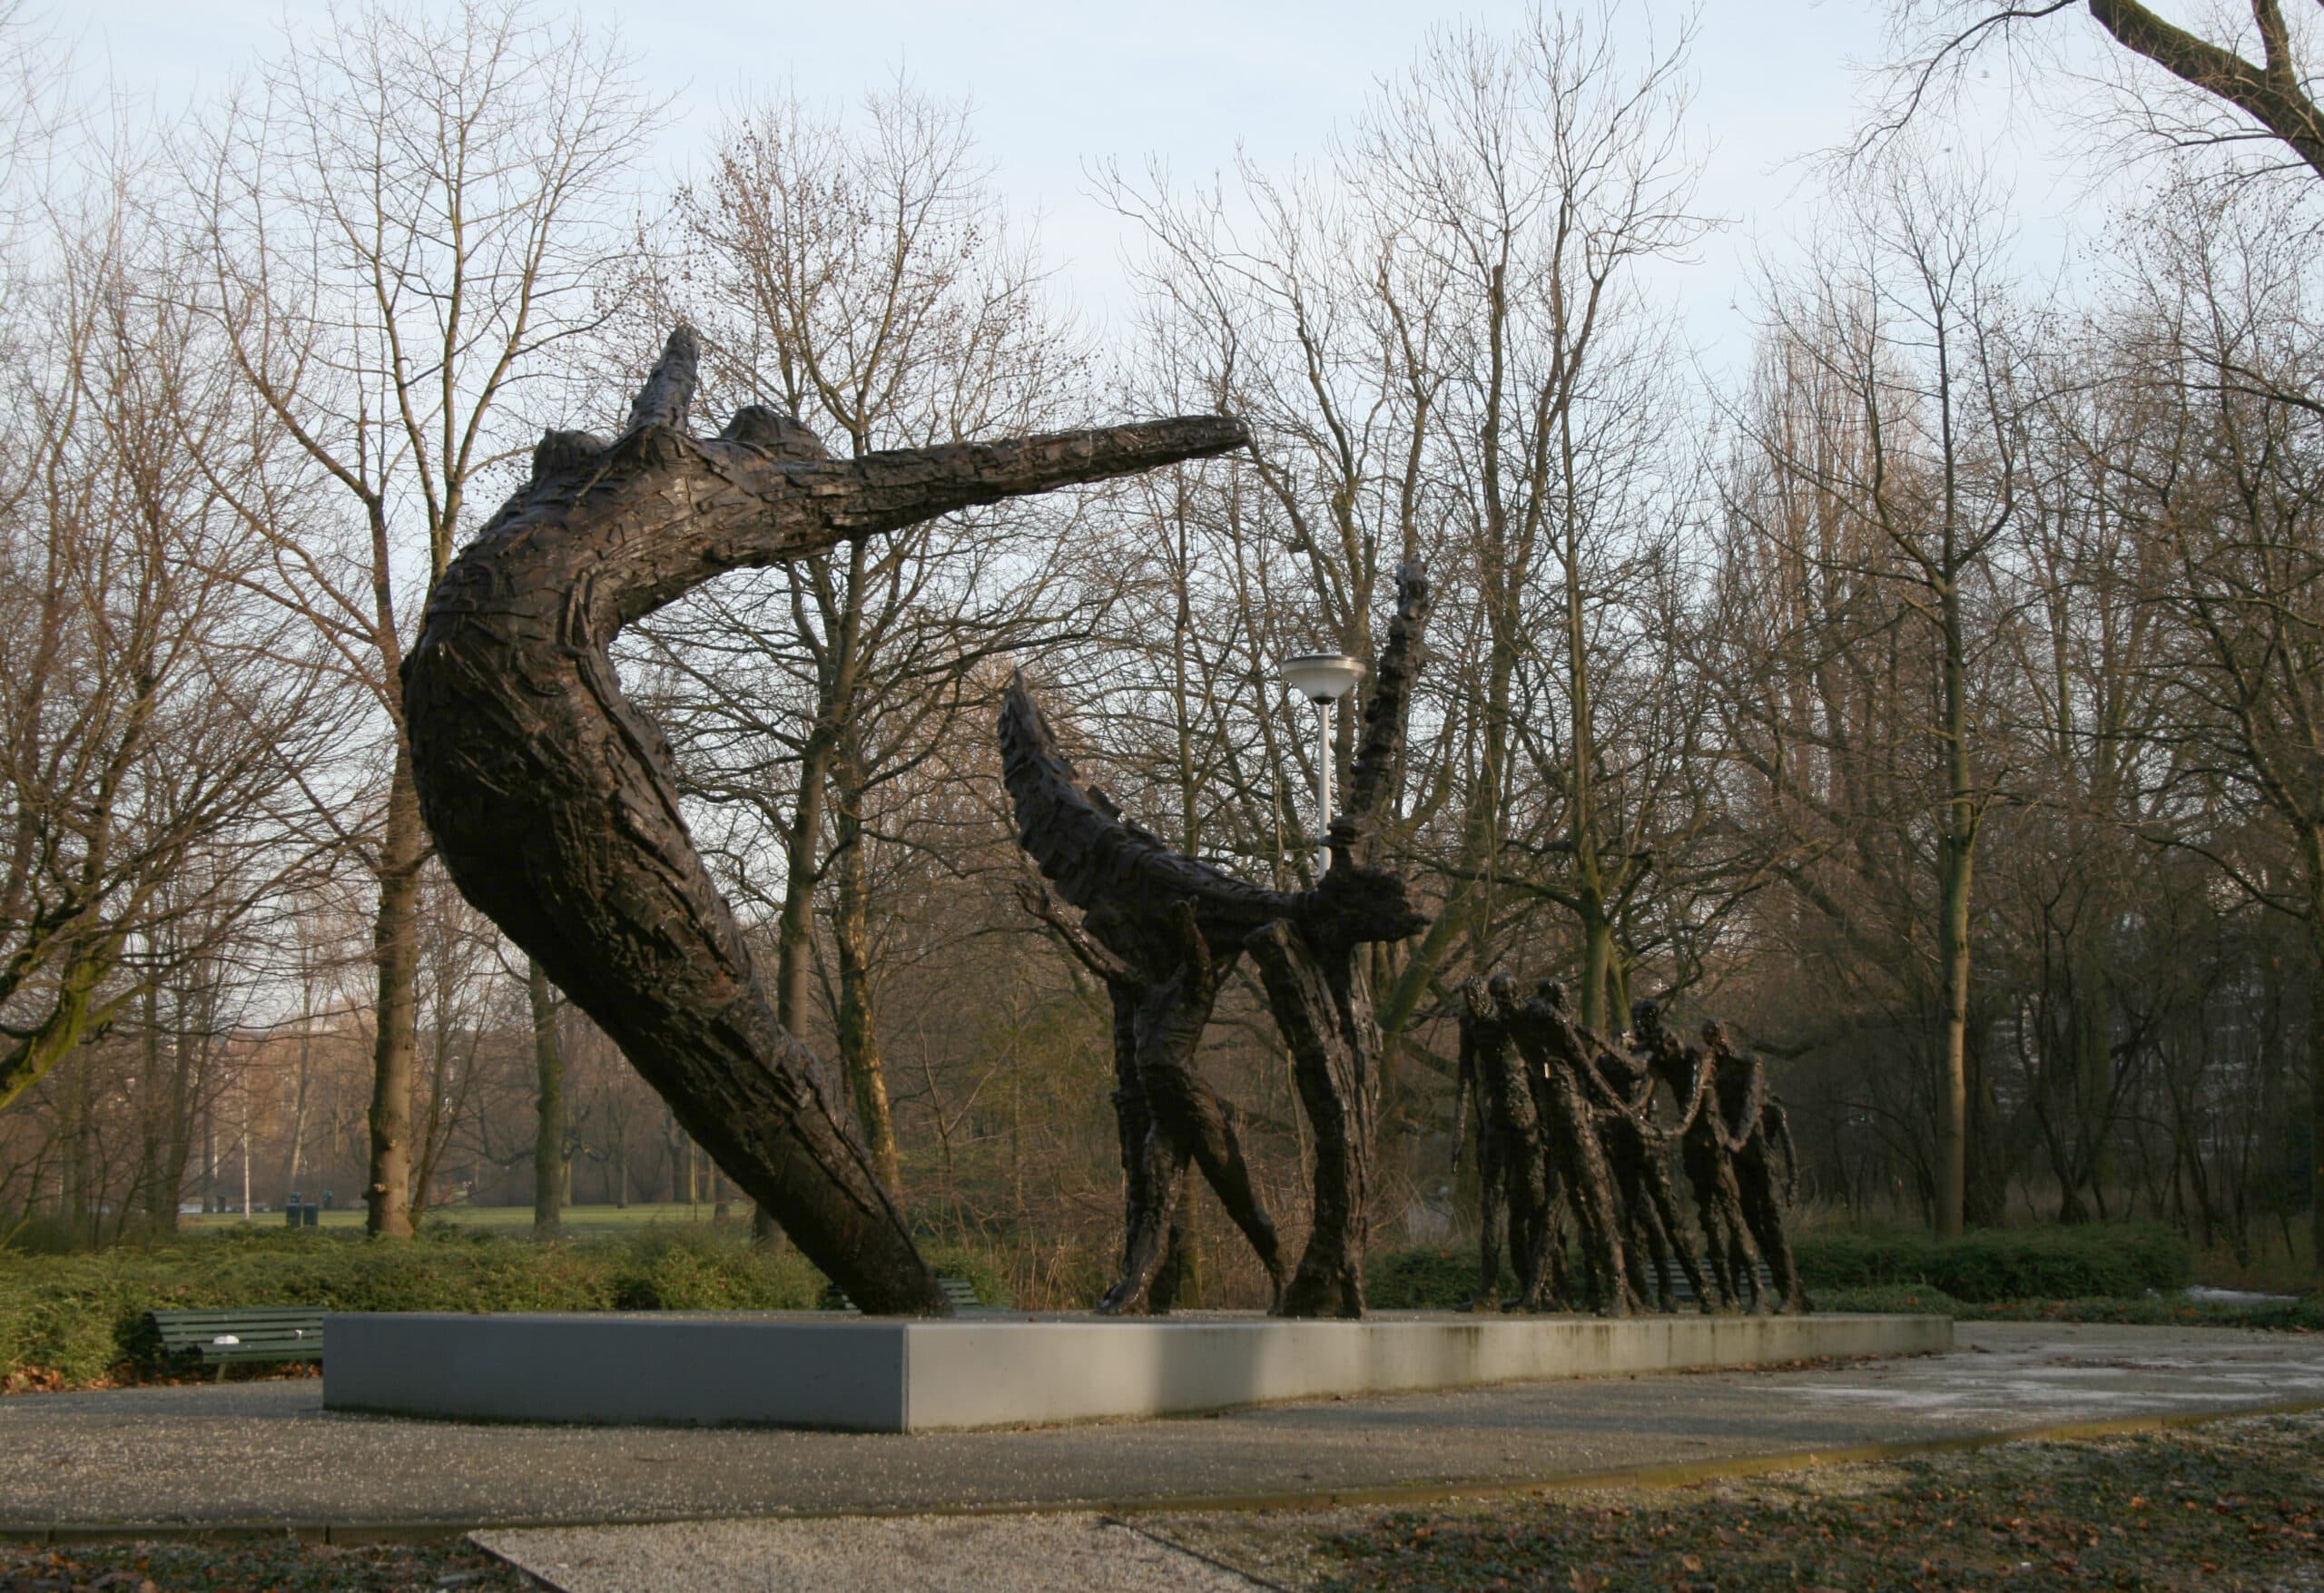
{"x": 890, "y": 1375}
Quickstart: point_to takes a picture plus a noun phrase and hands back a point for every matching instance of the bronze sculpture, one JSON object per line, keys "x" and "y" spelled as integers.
{"x": 552, "y": 801}
{"x": 1172, "y": 925}
{"x": 1590, "y": 1149}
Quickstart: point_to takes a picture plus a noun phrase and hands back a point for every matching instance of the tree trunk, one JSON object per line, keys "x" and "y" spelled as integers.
{"x": 1581, "y": 801}
{"x": 858, "y": 1025}
{"x": 29, "y": 1058}
{"x": 1956, "y": 860}
{"x": 2316, "y": 1084}
{"x": 2094, "y": 1058}
{"x": 549, "y": 1129}
{"x": 303, "y": 1096}
{"x": 796, "y": 929}
{"x": 395, "y": 941}
{"x": 1597, "y": 953}
{"x": 172, "y": 1135}
{"x": 794, "y": 937}
{"x": 79, "y": 1202}
{"x": 552, "y": 800}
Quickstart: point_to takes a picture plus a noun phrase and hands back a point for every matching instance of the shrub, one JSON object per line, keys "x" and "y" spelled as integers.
{"x": 981, "y": 1268}
{"x": 2112, "y": 1260}
{"x": 1433, "y": 1278}
{"x": 1889, "y": 1298}
{"x": 2172, "y": 1311}
{"x": 687, "y": 1269}
{"x": 81, "y": 1316}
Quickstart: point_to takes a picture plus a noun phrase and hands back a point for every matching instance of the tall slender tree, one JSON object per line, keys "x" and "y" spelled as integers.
{"x": 861, "y": 277}
{"x": 406, "y": 221}
{"x": 1894, "y": 428}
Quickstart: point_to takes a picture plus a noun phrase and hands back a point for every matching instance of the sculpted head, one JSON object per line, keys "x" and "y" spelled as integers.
{"x": 1646, "y": 1020}
{"x": 777, "y": 434}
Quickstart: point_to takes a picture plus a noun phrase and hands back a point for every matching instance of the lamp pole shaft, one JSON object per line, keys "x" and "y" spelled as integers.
{"x": 1322, "y": 770}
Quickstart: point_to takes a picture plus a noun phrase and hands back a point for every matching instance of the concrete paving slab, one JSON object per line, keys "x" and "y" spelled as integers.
{"x": 269, "y": 1452}
{"x": 1068, "y": 1553}
{"x": 813, "y": 1370}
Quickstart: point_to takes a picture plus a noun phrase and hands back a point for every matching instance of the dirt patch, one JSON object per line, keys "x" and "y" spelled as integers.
{"x": 276, "y": 1565}
{"x": 2230, "y": 1504}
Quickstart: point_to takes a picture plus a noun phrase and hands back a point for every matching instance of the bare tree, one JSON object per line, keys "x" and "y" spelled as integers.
{"x": 151, "y": 721}
{"x": 2083, "y": 709}
{"x": 862, "y": 279}
{"x": 2226, "y": 477}
{"x": 1893, "y": 434}
{"x": 1449, "y": 350}
{"x": 404, "y": 224}
{"x": 2245, "y": 87}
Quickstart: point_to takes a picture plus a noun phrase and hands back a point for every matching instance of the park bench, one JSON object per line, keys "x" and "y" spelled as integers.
{"x": 1682, "y": 1293}
{"x": 290, "y": 1332}
{"x": 959, "y": 1293}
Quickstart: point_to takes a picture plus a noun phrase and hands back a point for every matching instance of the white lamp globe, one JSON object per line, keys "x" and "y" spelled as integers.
{"x": 1322, "y": 677}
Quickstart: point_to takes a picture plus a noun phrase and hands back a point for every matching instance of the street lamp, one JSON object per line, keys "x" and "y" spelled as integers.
{"x": 1322, "y": 678}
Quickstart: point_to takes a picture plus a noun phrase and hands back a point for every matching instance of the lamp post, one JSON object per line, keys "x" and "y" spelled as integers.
{"x": 1322, "y": 678}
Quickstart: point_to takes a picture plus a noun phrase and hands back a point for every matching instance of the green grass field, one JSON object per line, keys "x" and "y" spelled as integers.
{"x": 578, "y": 1219}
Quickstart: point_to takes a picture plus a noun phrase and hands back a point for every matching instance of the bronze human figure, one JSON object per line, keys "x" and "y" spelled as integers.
{"x": 1598, "y": 1153}
{"x": 1759, "y": 1138}
{"x": 551, "y": 798}
{"x": 1176, "y": 924}
{"x": 1512, "y": 1166}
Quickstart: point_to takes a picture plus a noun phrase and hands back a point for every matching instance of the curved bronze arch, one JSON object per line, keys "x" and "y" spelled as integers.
{"x": 552, "y": 801}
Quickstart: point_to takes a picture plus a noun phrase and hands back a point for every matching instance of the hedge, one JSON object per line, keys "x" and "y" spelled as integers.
{"x": 2109, "y": 1260}
{"x": 2117, "y": 1261}
{"x": 1433, "y": 1278}
{"x": 75, "y": 1319}
{"x": 2299, "y": 1315}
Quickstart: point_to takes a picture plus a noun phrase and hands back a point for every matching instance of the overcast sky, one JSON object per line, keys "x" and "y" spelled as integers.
{"x": 1058, "y": 87}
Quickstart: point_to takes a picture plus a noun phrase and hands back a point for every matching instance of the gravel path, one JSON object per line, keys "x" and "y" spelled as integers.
{"x": 268, "y": 1452}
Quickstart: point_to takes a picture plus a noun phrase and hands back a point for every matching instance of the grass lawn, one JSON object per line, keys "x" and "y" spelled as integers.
{"x": 578, "y": 1219}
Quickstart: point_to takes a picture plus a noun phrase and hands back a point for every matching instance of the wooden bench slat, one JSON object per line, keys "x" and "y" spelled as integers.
{"x": 959, "y": 1293}
{"x": 266, "y": 1332}
{"x": 1681, "y": 1290}
{"x": 206, "y": 1331}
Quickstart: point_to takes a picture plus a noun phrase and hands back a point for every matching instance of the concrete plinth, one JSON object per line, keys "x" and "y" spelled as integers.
{"x": 892, "y": 1375}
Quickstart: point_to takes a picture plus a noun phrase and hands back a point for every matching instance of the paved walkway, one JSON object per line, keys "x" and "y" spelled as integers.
{"x": 267, "y": 1452}
{"x": 1076, "y": 1552}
